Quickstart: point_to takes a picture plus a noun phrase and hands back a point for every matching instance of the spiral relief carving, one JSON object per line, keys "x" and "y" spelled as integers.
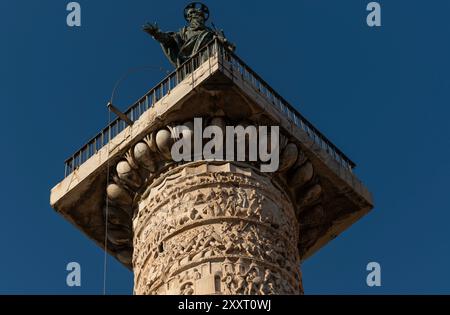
{"x": 209, "y": 227}
{"x": 215, "y": 217}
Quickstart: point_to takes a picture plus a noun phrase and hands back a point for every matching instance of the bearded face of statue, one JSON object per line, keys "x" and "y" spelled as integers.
{"x": 196, "y": 18}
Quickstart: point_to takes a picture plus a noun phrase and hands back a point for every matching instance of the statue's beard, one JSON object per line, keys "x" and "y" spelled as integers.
{"x": 196, "y": 24}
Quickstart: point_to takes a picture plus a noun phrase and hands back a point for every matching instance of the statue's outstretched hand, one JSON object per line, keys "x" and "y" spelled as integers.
{"x": 152, "y": 29}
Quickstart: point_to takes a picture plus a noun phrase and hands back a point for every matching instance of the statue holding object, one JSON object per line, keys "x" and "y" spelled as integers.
{"x": 180, "y": 46}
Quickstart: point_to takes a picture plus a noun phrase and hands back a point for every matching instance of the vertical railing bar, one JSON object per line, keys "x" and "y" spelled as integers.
{"x": 189, "y": 67}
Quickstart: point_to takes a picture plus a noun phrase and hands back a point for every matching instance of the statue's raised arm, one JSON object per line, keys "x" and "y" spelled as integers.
{"x": 180, "y": 46}
{"x": 157, "y": 34}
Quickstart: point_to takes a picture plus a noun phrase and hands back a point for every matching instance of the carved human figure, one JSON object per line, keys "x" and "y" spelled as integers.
{"x": 212, "y": 252}
{"x": 196, "y": 274}
{"x": 240, "y": 281}
{"x": 266, "y": 285}
{"x": 227, "y": 279}
{"x": 187, "y": 289}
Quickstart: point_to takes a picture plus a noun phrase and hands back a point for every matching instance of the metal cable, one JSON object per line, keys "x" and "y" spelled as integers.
{"x": 116, "y": 85}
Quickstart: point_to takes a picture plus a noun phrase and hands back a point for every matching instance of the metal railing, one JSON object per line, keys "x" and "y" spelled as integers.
{"x": 214, "y": 48}
{"x": 135, "y": 111}
{"x": 240, "y": 68}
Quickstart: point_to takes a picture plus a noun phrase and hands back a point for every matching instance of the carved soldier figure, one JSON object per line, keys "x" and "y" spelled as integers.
{"x": 196, "y": 275}
{"x": 228, "y": 280}
{"x": 266, "y": 284}
{"x": 251, "y": 275}
{"x": 240, "y": 279}
{"x": 187, "y": 289}
{"x": 180, "y": 46}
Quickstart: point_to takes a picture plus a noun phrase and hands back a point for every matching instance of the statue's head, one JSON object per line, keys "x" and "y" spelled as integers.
{"x": 196, "y": 14}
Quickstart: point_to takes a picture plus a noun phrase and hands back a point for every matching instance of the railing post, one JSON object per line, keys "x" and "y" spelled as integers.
{"x": 227, "y": 60}
{"x": 220, "y": 56}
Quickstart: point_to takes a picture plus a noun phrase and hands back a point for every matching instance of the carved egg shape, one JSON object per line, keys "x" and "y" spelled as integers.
{"x": 185, "y": 131}
{"x": 164, "y": 143}
{"x": 118, "y": 216}
{"x": 118, "y": 194}
{"x": 128, "y": 174}
{"x": 302, "y": 175}
{"x": 288, "y": 157}
{"x": 312, "y": 195}
{"x": 118, "y": 235}
{"x": 143, "y": 155}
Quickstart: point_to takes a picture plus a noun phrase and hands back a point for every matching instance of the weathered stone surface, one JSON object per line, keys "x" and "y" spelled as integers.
{"x": 288, "y": 157}
{"x": 119, "y": 195}
{"x": 315, "y": 197}
{"x": 216, "y": 229}
{"x": 127, "y": 174}
{"x": 302, "y": 175}
{"x": 143, "y": 156}
{"x": 164, "y": 142}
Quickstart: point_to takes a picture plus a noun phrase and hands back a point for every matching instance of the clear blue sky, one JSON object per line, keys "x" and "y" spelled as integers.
{"x": 382, "y": 95}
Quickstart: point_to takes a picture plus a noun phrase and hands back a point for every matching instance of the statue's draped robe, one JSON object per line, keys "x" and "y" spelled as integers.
{"x": 180, "y": 46}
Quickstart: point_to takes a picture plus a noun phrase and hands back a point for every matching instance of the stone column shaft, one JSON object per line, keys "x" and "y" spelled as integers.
{"x": 217, "y": 228}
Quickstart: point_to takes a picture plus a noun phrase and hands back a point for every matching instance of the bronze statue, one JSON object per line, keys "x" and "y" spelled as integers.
{"x": 180, "y": 46}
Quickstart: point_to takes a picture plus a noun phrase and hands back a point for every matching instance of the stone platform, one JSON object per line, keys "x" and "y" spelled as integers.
{"x": 213, "y": 227}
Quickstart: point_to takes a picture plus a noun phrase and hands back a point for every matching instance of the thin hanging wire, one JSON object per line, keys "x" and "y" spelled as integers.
{"x": 125, "y": 76}
{"x": 132, "y": 71}
{"x": 105, "y": 265}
